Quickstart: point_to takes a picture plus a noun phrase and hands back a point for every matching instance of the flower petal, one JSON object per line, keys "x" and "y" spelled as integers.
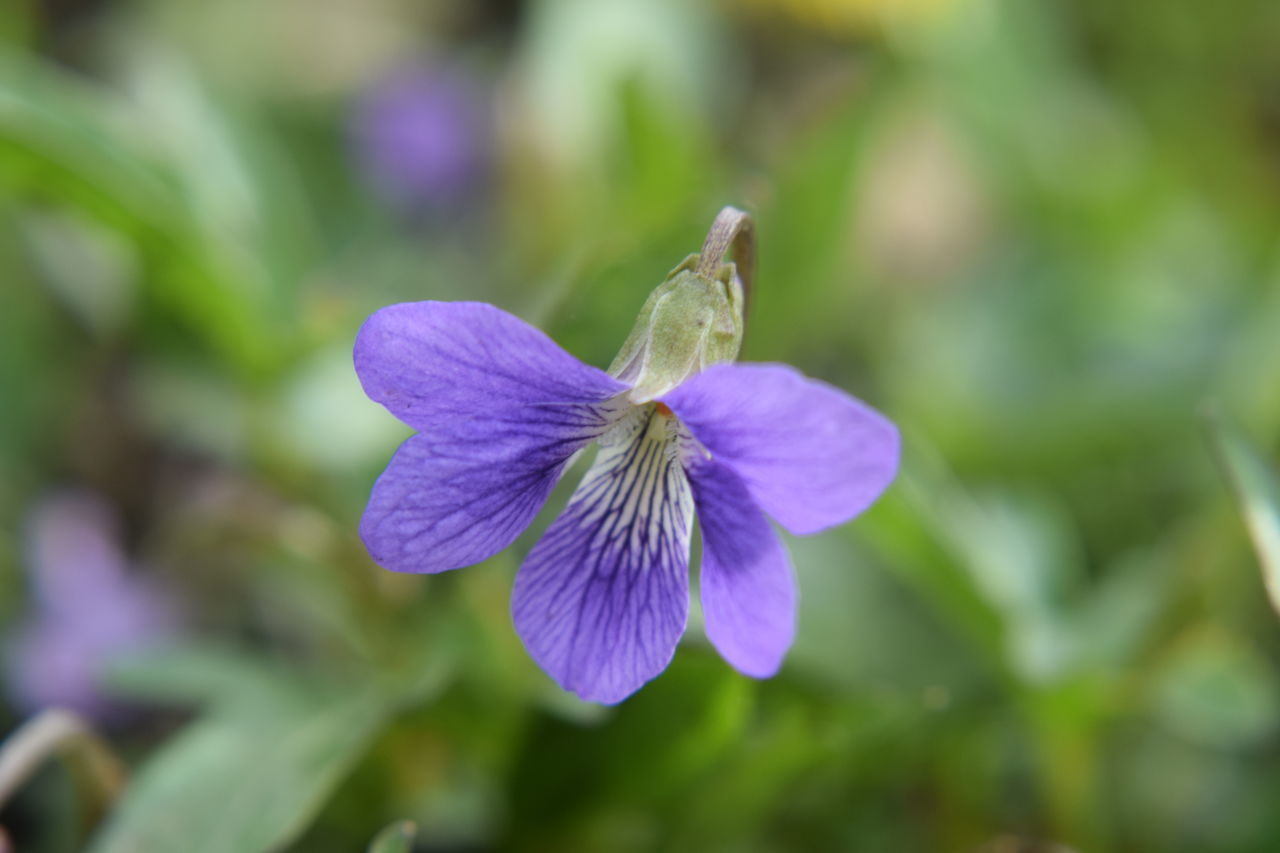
{"x": 463, "y": 493}
{"x": 602, "y": 599}
{"x": 502, "y": 409}
{"x": 74, "y": 554}
{"x": 810, "y": 455}
{"x": 748, "y": 587}
{"x": 431, "y": 363}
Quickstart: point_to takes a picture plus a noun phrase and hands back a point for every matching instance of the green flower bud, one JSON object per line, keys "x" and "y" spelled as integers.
{"x": 687, "y": 324}
{"x": 694, "y": 319}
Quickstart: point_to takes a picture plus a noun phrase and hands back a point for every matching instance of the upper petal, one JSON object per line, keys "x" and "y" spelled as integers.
{"x": 747, "y": 585}
{"x": 429, "y": 362}
{"x": 602, "y": 599}
{"x": 810, "y": 455}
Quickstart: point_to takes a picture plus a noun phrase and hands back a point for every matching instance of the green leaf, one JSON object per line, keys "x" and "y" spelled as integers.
{"x": 1257, "y": 490}
{"x": 81, "y": 146}
{"x": 1214, "y": 689}
{"x": 232, "y": 783}
{"x": 255, "y": 768}
{"x": 396, "y": 838}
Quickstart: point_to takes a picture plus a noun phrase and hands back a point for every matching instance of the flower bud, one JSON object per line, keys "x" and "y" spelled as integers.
{"x": 687, "y": 324}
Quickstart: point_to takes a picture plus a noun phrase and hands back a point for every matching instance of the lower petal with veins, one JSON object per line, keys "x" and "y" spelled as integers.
{"x": 602, "y": 599}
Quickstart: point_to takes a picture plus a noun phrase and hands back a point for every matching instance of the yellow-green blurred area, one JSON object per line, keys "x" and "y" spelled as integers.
{"x": 1040, "y": 235}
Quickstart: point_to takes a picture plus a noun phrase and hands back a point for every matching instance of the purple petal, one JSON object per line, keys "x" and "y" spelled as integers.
{"x": 422, "y": 135}
{"x": 50, "y": 666}
{"x": 435, "y": 365}
{"x": 58, "y": 657}
{"x": 810, "y": 455}
{"x": 89, "y": 607}
{"x": 461, "y": 495}
{"x": 502, "y": 409}
{"x": 74, "y": 554}
{"x": 748, "y": 588}
{"x": 602, "y": 599}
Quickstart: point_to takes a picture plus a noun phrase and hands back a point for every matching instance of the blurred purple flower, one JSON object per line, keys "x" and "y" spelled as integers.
{"x": 422, "y": 138}
{"x": 601, "y": 601}
{"x": 87, "y": 608}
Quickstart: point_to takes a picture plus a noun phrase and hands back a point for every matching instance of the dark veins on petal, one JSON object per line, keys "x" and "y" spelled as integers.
{"x": 602, "y": 599}
{"x": 456, "y": 495}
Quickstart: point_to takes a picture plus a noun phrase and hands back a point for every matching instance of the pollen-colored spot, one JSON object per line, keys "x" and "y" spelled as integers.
{"x": 664, "y": 410}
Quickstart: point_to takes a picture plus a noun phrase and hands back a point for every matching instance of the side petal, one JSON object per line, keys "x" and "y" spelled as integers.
{"x": 602, "y": 599}
{"x": 464, "y": 492}
{"x": 502, "y": 408}
{"x": 810, "y": 455}
{"x": 430, "y": 363}
{"x": 748, "y": 587}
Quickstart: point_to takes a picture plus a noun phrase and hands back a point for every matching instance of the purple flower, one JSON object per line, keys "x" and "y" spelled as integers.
{"x": 602, "y": 599}
{"x": 421, "y": 136}
{"x": 88, "y": 609}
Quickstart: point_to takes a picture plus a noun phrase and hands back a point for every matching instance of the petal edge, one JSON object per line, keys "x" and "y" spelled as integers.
{"x": 747, "y": 583}
{"x": 431, "y": 362}
{"x": 811, "y": 455}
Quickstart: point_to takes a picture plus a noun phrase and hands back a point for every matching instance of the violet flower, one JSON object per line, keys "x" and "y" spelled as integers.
{"x": 88, "y": 609}
{"x": 421, "y": 136}
{"x": 602, "y": 599}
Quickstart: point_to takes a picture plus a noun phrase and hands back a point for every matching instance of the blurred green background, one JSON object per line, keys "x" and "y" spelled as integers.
{"x": 1038, "y": 234}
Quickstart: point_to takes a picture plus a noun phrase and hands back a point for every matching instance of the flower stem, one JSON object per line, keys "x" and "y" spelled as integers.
{"x": 56, "y": 730}
{"x": 733, "y": 230}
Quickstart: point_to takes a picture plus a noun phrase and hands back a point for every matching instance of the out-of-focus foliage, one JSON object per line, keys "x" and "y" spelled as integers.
{"x": 1038, "y": 234}
{"x": 1258, "y": 492}
{"x": 395, "y": 838}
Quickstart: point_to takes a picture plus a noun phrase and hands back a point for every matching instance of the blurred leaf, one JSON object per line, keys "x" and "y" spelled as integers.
{"x": 64, "y": 140}
{"x": 853, "y": 608}
{"x": 89, "y": 268}
{"x": 678, "y": 727}
{"x": 203, "y": 675}
{"x": 912, "y": 543}
{"x": 1217, "y": 691}
{"x": 648, "y": 752}
{"x": 267, "y": 776}
{"x": 253, "y": 770}
{"x": 396, "y": 838}
{"x": 1122, "y": 608}
{"x": 804, "y": 282}
{"x": 1258, "y": 493}
{"x": 670, "y": 50}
